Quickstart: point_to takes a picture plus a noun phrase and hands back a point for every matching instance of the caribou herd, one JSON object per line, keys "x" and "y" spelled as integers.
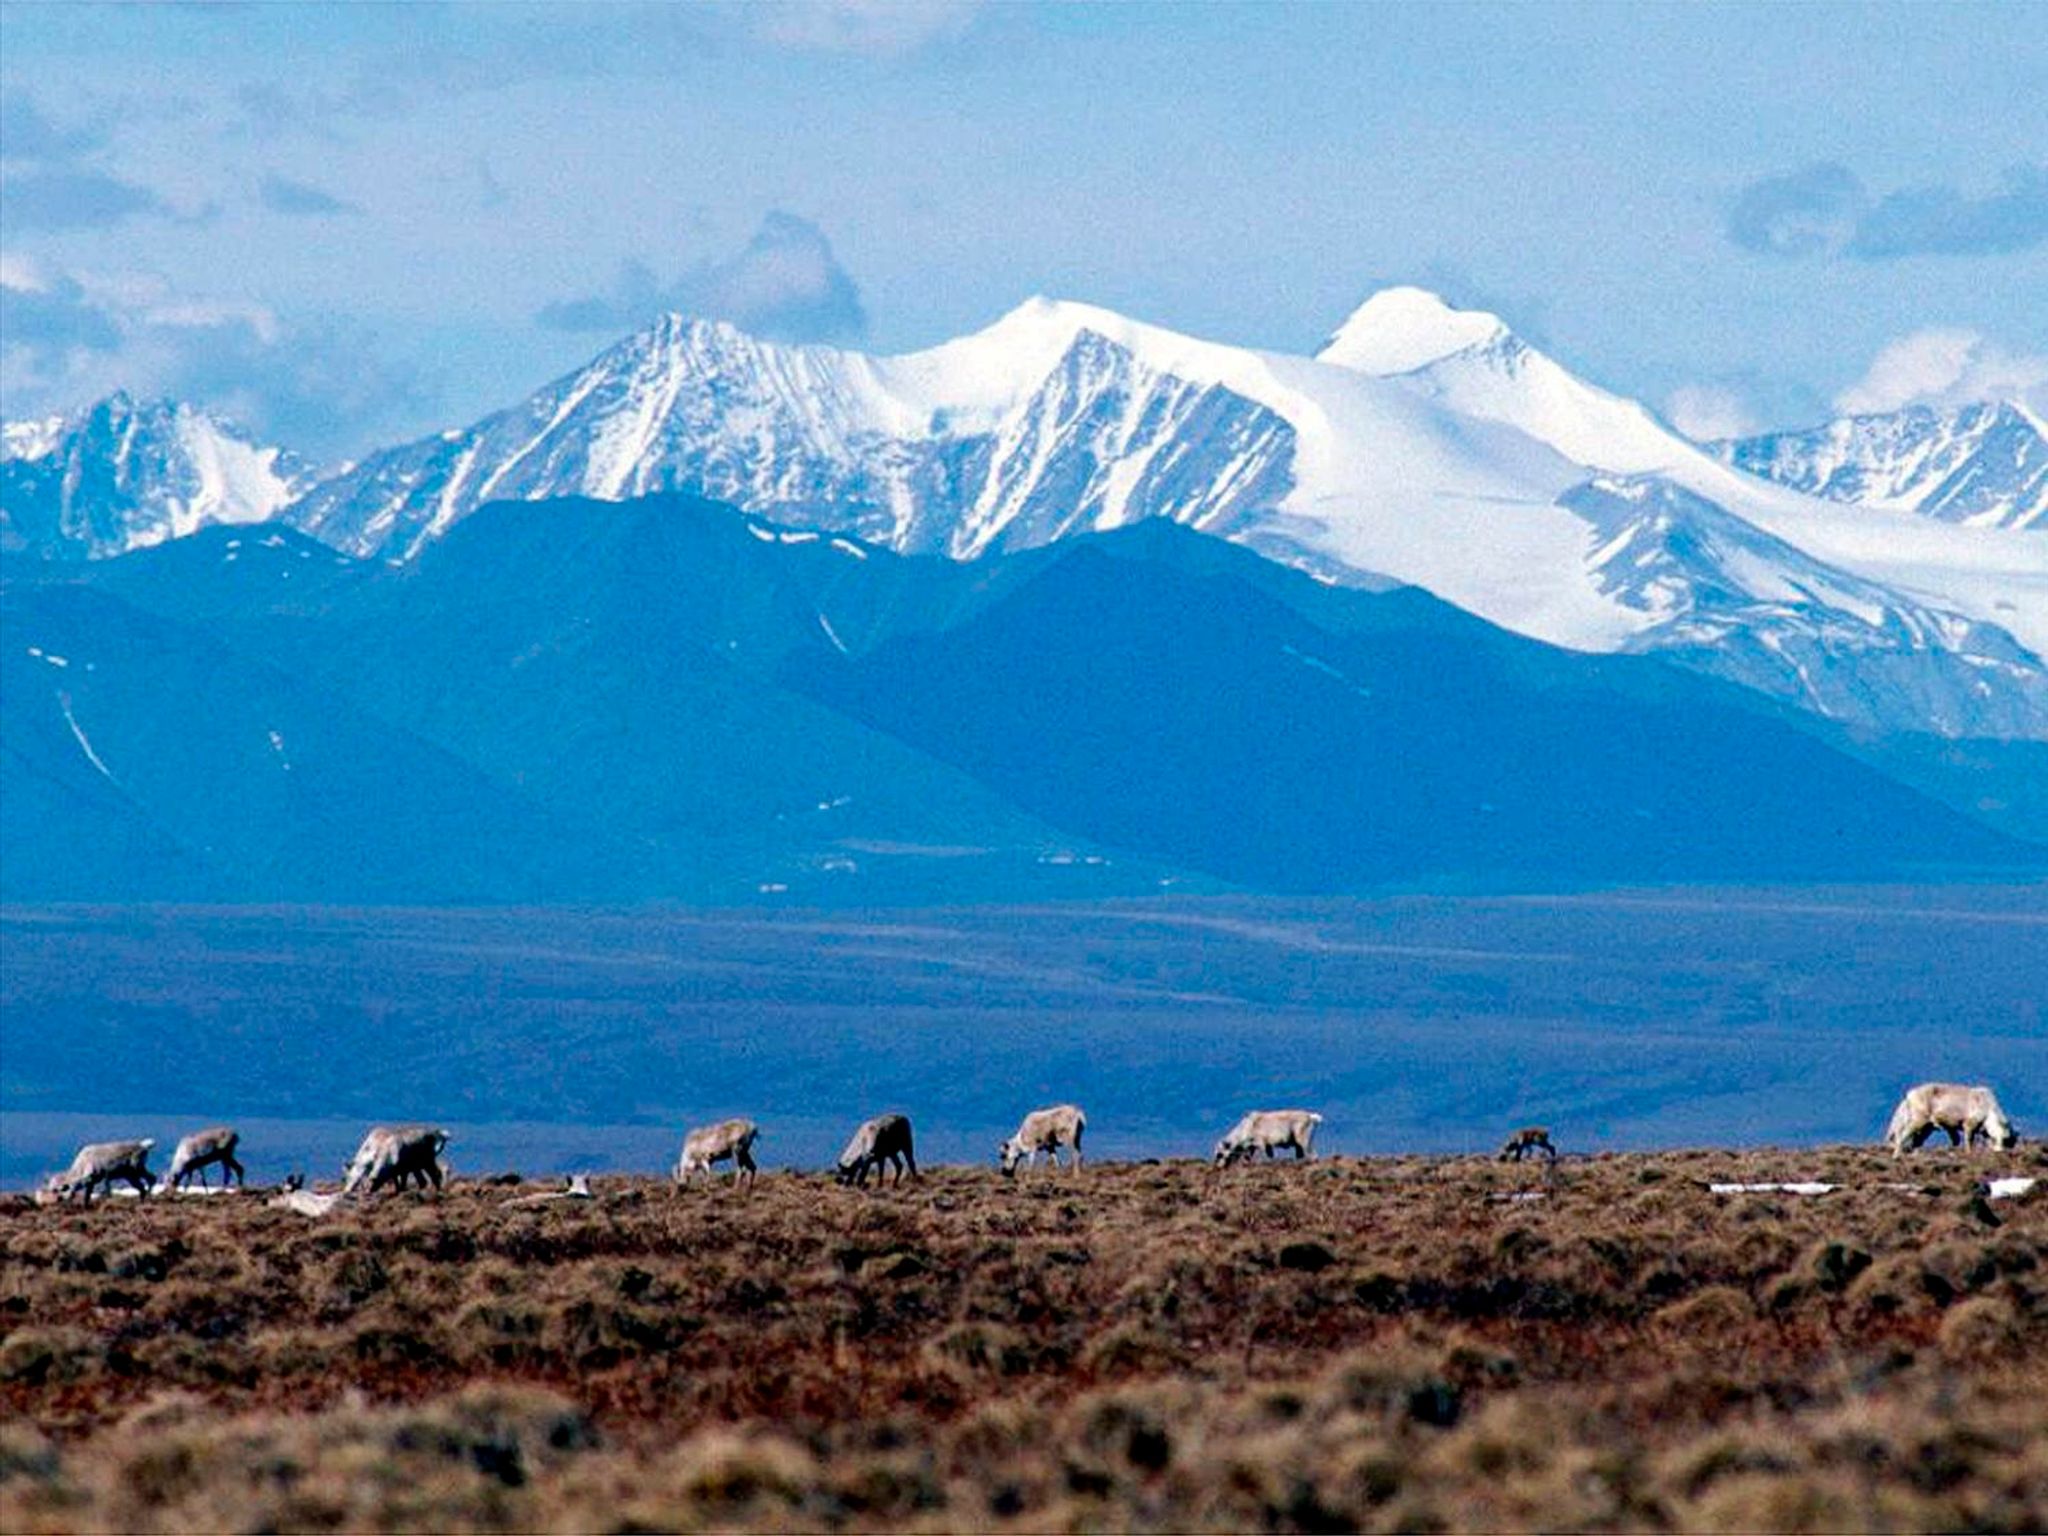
{"x": 394, "y": 1157}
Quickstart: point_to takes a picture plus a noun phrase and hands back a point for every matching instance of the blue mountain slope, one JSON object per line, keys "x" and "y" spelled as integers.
{"x": 1200, "y": 720}
{"x": 666, "y": 698}
{"x": 146, "y": 760}
{"x": 616, "y": 662}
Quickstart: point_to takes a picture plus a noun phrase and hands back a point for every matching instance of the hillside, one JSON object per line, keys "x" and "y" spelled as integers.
{"x": 666, "y": 698}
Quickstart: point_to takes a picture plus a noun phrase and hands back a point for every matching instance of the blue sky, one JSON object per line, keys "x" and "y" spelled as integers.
{"x": 349, "y": 224}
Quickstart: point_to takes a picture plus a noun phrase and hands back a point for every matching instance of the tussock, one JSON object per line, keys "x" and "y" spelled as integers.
{"x": 1374, "y": 1345}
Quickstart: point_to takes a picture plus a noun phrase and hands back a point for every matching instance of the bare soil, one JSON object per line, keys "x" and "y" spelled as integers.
{"x": 1383, "y": 1344}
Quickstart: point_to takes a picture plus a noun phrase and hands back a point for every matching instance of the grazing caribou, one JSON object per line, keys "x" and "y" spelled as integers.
{"x": 1527, "y": 1141}
{"x": 728, "y": 1141}
{"x": 1045, "y": 1130}
{"x": 1267, "y": 1131}
{"x": 884, "y": 1139}
{"x": 200, "y": 1151}
{"x": 392, "y": 1154}
{"x": 1964, "y": 1113}
{"x": 102, "y": 1163}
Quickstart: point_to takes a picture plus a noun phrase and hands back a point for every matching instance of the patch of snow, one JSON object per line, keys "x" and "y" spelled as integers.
{"x": 30, "y": 440}
{"x": 1807, "y": 1188}
{"x": 304, "y": 1202}
{"x": 84, "y": 742}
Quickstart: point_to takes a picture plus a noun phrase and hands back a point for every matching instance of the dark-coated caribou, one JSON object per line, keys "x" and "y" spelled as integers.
{"x": 883, "y": 1140}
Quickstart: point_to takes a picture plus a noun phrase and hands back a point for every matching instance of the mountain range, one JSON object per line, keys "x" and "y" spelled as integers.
{"x": 1070, "y": 606}
{"x": 1887, "y": 574}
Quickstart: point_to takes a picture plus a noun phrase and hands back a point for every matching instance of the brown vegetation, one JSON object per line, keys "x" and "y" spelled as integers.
{"x": 1381, "y": 1344}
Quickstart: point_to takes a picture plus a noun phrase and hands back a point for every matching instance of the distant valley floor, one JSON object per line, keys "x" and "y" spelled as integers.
{"x": 561, "y": 1040}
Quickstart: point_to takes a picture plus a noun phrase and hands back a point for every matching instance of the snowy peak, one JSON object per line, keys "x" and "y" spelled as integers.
{"x": 123, "y": 474}
{"x": 1048, "y": 422}
{"x": 1399, "y": 330}
{"x": 1472, "y": 363}
{"x": 1982, "y": 465}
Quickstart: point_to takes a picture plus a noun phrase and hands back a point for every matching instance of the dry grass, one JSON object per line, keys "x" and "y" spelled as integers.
{"x": 1349, "y": 1344}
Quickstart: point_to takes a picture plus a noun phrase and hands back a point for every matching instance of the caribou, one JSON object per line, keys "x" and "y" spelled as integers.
{"x": 1045, "y": 1130}
{"x": 1267, "y": 1131}
{"x": 1526, "y": 1142}
{"x": 728, "y": 1141}
{"x": 884, "y": 1139}
{"x": 392, "y": 1154}
{"x": 102, "y": 1163}
{"x": 202, "y": 1150}
{"x": 1964, "y": 1113}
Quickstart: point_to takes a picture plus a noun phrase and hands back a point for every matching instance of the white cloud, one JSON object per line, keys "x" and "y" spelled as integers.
{"x": 785, "y": 285}
{"x": 1704, "y": 412}
{"x": 1945, "y": 366}
{"x": 67, "y": 338}
{"x": 877, "y": 28}
{"x": 23, "y": 273}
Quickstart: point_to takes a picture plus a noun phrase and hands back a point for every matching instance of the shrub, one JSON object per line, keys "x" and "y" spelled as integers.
{"x": 1984, "y": 1328}
{"x": 34, "y": 1356}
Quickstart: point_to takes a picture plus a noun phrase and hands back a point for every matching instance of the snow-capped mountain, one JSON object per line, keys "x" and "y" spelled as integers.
{"x": 1425, "y": 444}
{"x": 1729, "y": 599}
{"x": 1983, "y": 465}
{"x": 1041, "y": 425}
{"x": 123, "y": 474}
